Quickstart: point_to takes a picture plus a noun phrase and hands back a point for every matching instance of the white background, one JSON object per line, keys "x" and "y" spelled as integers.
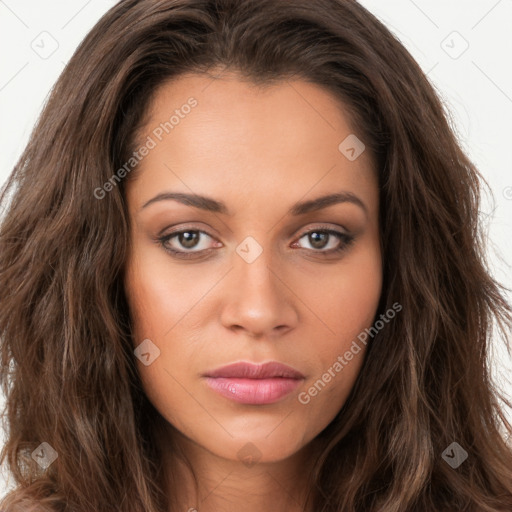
{"x": 475, "y": 85}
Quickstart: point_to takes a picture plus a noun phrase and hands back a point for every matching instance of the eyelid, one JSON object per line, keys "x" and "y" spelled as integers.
{"x": 324, "y": 227}
{"x": 187, "y": 226}
{"x": 306, "y": 231}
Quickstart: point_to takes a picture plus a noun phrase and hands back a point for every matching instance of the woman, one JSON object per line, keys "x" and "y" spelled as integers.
{"x": 242, "y": 270}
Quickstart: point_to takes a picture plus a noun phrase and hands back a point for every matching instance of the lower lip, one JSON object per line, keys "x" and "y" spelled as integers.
{"x": 253, "y": 391}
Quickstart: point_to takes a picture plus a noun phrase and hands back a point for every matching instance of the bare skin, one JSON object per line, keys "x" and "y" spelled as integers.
{"x": 259, "y": 151}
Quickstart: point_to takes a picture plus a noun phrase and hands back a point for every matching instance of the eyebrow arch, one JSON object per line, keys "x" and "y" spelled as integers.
{"x": 299, "y": 208}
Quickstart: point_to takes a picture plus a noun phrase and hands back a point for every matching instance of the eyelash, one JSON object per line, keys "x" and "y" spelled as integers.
{"x": 345, "y": 241}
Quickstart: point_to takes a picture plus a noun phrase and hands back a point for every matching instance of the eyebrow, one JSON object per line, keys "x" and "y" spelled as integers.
{"x": 300, "y": 208}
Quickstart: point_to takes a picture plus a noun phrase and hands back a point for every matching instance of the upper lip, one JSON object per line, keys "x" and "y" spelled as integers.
{"x": 256, "y": 371}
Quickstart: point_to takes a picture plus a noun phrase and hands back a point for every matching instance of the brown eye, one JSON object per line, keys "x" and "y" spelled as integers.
{"x": 320, "y": 239}
{"x": 188, "y": 239}
{"x": 182, "y": 243}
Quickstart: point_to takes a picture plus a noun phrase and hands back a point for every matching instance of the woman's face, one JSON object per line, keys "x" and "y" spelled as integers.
{"x": 264, "y": 271}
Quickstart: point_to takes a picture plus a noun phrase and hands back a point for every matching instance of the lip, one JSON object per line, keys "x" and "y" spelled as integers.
{"x": 255, "y": 384}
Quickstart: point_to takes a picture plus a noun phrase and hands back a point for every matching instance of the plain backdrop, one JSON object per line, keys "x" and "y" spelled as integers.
{"x": 463, "y": 46}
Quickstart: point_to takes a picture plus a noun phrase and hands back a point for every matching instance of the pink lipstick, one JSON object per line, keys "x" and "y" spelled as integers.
{"x": 255, "y": 384}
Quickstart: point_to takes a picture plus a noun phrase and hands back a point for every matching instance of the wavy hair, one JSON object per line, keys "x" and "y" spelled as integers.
{"x": 67, "y": 364}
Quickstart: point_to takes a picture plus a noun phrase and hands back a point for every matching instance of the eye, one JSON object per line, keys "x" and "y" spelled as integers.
{"x": 320, "y": 239}
{"x": 186, "y": 239}
{"x": 190, "y": 243}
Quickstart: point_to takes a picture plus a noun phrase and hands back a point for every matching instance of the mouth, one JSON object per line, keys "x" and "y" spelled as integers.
{"x": 255, "y": 384}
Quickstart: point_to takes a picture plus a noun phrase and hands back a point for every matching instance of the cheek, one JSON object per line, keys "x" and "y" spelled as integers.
{"x": 157, "y": 302}
{"x": 345, "y": 304}
{"x": 160, "y": 294}
{"x": 164, "y": 301}
{"x": 354, "y": 297}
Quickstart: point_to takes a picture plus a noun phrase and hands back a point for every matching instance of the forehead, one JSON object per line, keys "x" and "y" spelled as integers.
{"x": 243, "y": 105}
{"x": 243, "y": 138}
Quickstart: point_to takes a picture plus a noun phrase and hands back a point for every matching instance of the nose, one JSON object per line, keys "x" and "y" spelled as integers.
{"x": 258, "y": 300}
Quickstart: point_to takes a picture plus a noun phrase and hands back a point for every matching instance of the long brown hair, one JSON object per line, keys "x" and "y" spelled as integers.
{"x": 68, "y": 369}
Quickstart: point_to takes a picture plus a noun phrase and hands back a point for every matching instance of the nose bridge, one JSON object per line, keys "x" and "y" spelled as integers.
{"x": 254, "y": 273}
{"x": 259, "y": 302}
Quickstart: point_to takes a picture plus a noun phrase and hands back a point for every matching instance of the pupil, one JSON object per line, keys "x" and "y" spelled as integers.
{"x": 314, "y": 238}
{"x": 188, "y": 238}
